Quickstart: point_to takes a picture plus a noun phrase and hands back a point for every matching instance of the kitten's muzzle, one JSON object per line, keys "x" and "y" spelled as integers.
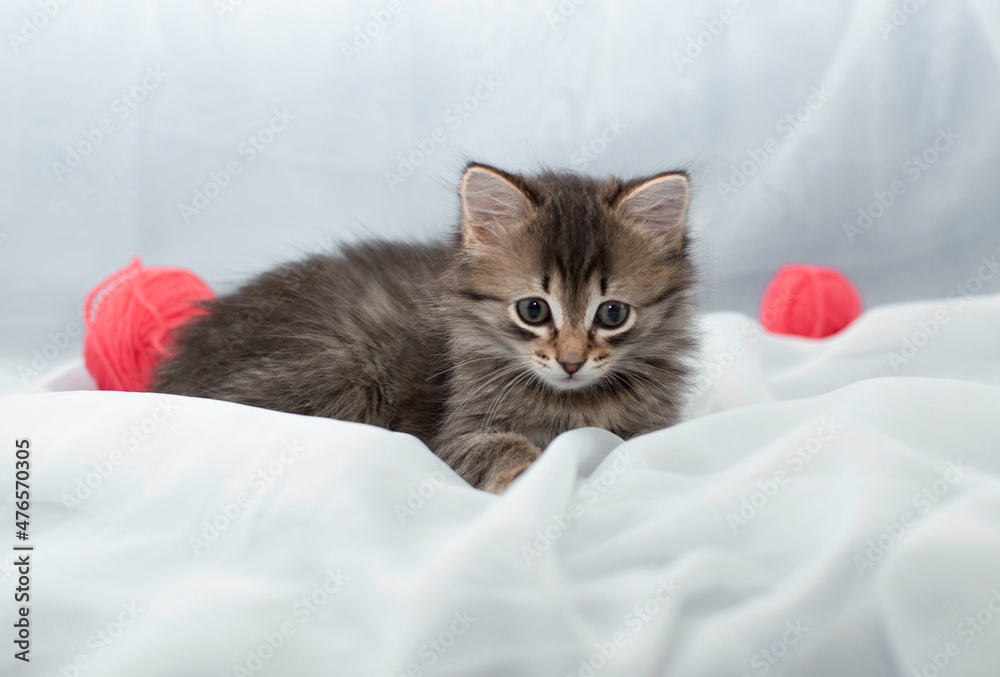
{"x": 571, "y": 367}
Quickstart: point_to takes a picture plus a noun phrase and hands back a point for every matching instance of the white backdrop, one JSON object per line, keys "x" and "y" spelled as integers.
{"x": 792, "y": 116}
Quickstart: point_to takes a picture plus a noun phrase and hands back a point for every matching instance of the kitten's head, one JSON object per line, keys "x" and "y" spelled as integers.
{"x": 574, "y": 280}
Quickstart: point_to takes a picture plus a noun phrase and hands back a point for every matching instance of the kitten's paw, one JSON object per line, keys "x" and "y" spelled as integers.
{"x": 489, "y": 461}
{"x": 512, "y": 455}
{"x": 498, "y": 482}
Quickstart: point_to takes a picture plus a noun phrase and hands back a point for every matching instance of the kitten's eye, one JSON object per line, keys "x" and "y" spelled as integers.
{"x": 533, "y": 311}
{"x": 612, "y": 314}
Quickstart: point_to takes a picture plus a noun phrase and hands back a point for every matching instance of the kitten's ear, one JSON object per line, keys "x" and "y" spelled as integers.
{"x": 491, "y": 205}
{"x": 659, "y": 207}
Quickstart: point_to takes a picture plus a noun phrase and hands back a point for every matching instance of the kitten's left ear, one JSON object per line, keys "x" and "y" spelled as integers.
{"x": 491, "y": 205}
{"x": 659, "y": 207}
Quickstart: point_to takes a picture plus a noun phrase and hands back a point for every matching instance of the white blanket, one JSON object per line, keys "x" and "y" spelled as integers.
{"x": 831, "y": 508}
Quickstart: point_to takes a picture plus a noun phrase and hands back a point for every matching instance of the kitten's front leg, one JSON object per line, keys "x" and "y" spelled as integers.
{"x": 488, "y": 461}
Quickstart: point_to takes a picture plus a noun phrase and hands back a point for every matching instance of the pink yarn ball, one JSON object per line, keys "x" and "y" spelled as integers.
{"x": 129, "y": 319}
{"x": 811, "y": 301}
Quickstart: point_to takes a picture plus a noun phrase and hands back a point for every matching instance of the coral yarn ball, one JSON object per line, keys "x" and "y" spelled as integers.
{"x": 811, "y": 301}
{"x": 129, "y": 319}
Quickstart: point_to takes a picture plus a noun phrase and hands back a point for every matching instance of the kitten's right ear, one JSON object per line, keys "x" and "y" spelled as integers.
{"x": 658, "y": 206}
{"x": 491, "y": 205}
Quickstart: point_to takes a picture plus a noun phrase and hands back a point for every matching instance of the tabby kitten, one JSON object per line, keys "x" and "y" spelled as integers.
{"x": 561, "y": 302}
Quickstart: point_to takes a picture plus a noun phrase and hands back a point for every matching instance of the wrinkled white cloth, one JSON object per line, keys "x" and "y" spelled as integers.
{"x": 831, "y": 507}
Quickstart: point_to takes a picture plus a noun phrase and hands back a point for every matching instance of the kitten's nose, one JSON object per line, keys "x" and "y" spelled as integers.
{"x": 571, "y": 367}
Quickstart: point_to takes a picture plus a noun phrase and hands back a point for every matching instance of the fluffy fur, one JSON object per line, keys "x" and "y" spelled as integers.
{"x": 429, "y": 339}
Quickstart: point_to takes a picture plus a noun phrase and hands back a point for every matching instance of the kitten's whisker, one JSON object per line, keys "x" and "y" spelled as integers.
{"x": 497, "y": 398}
{"x": 656, "y": 402}
{"x": 646, "y": 382}
{"x": 668, "y": 395}
{"x": 629, "y": 385}
{"x": 644, "y": 360}
{"x": 462, "y": 364}
{"x": 504, "y": 372}
{"x": 495, "y": 405}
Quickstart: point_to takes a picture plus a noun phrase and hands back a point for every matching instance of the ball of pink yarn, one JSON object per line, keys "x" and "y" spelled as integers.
{"x": 811, "y": 301}
{"x": 129, "y": 319}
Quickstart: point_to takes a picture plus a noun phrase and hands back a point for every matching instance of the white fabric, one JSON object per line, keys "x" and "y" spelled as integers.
{"x": 606, "y": 76}
{"x": 820, "y": 514}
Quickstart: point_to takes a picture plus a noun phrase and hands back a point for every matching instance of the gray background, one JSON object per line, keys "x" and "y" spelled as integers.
{"x": 562, "y": 71}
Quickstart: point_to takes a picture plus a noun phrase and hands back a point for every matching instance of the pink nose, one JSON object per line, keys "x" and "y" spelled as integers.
{"x": 571, "y": 367}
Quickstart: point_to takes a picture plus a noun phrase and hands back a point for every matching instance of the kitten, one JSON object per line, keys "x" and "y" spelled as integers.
{"x": 561, "y": 302}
